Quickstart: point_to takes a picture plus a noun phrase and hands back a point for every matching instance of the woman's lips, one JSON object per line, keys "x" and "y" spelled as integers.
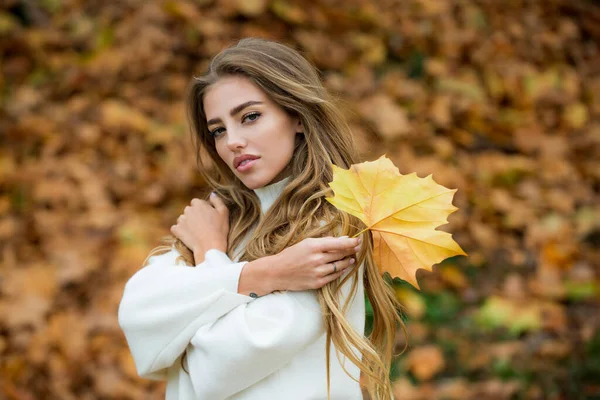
{"x": 246, "y": 165}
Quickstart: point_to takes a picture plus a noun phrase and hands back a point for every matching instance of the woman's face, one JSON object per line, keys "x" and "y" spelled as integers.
{"x": 246, "y": 123}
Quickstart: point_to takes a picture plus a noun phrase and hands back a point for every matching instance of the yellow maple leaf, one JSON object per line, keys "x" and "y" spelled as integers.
{"x": 401, "y": 211}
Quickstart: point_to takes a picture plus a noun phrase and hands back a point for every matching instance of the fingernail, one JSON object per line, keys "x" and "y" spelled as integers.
{"x": 357, "y": 249}
{"x": 352, "y": 261}
{"x": 212, "y": 194}
{"x": 359, "y": 240}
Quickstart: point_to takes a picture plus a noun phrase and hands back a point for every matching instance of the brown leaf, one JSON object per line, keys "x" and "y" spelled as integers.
{"x": 426, "y": 361}
{"x": 390, "y": 120}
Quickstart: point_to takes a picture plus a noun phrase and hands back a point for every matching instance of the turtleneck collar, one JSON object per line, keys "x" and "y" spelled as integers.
{"x": 268, "y": 194}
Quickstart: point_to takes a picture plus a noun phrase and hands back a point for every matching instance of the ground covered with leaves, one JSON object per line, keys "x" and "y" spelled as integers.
{"x": 498, "y": 99}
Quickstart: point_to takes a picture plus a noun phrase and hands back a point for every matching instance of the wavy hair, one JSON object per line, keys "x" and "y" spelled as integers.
{"x": 293, "y": 83}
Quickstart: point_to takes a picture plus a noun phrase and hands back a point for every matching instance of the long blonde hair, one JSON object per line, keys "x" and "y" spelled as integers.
{"x": 293, "y": 83}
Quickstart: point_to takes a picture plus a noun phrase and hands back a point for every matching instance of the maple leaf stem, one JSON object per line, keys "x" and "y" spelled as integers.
{"x": 366, "y": 229}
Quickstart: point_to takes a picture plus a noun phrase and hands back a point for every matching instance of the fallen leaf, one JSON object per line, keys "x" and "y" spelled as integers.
{"x": 456, "y": 388}
{"x": 251, "y": 8}
{"x": 576, "y": 115}
{"x": 426, "y": 361}
{"x": 404, "y": 389}
{"x": 389, "y": 119}
{"x": 413, "y": 302}
{"x": 454, "y": 276}
{"x": 401, "y": 211}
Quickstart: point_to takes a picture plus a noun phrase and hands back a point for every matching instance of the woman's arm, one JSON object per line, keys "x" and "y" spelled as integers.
{"x": 164, "y": 304}
{"x": 306, "y": 265}
{"x": 256, "y": 339}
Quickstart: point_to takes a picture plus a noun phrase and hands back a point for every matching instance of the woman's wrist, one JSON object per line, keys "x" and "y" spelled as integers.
{"x": 258, "y": 277}
{"x": 200, "y": 252}
{"x": 198, "y": 256}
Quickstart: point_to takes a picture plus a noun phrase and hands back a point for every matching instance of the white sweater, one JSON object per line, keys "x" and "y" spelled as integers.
{"x": 272, "y": 347}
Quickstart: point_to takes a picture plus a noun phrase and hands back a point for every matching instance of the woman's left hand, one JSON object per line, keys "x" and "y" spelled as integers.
{"x": 204, "y": 225}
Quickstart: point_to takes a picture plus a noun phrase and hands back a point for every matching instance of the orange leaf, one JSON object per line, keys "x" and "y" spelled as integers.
{"x": 401, "y": 211}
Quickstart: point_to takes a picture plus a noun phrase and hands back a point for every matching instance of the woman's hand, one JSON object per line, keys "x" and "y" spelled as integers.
{"x": 310, "y": 263}
{"x": 204, "y": 225}
{"x": 305, "y": 265}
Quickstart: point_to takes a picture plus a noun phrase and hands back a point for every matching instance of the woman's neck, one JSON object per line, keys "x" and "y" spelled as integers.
{"x": 269, "y": 193}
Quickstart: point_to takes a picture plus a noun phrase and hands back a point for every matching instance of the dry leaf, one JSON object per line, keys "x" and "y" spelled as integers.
{"x": 389, "y": 119}
{"x": 401, "y": 211}
{"x": 412, "y": 301}
{"x": 426, "y": 361}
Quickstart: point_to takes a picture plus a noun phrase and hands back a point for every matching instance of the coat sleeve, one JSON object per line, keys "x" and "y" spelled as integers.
{"x": 165, "y": 303}
{"x": 254, "y": 340}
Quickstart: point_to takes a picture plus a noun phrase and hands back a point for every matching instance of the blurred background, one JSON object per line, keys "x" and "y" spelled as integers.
{"x": 499, "y": 99}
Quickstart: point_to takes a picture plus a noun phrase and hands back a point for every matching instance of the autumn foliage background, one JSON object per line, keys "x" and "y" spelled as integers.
{"x": 499, "y": 99}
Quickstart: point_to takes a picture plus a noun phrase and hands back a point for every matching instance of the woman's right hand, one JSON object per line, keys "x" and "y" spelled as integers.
{"x": 309, "y": 263}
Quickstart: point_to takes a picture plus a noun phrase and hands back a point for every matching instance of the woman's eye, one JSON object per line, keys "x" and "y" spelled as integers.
{"x": 253, "y": 116}
{"x": 216, "y": 132}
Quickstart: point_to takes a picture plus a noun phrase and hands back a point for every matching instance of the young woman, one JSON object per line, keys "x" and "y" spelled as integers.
{"x": 260, "y": 279}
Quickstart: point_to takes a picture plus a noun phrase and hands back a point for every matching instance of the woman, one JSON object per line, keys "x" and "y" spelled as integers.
{"x": 278, "y": 276}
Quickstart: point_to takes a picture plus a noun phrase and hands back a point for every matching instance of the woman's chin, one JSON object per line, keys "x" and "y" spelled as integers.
{"x": 251, "y": 182}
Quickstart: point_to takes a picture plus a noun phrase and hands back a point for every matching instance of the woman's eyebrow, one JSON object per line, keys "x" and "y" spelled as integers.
{"x": 235, "y": 110}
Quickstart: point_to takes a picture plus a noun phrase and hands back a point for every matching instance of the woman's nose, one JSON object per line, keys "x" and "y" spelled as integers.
{"x": 235, "y": 139}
